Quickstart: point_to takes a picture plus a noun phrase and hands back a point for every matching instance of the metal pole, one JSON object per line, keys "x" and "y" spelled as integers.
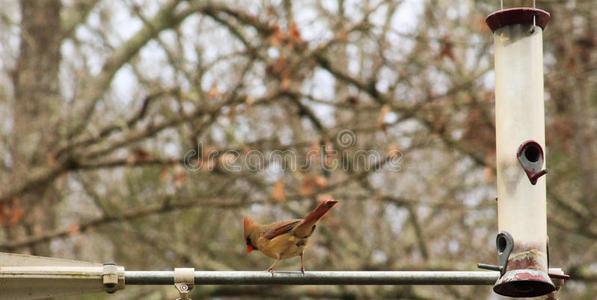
{"x": 319, "y": 277}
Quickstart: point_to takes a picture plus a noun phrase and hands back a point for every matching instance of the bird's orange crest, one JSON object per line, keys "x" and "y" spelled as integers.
{"x": 248, "y": 228}
{"x": 248, "y": 224}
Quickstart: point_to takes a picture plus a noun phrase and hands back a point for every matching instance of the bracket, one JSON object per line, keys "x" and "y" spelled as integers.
{"x": 184, "y": 280}
{"x": 110, "y": 277}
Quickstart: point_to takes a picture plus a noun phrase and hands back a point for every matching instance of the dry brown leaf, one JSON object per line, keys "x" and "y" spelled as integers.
{"x": 481, "y": 25}
{"x": 214, "y": 91}
{"x": 488, "y": 174}
{"x": 277, "y": 37}
{"x": 393, "y": 150}
{"x": 11, "y": 212}
{"x": 285, "y": 84}
{"x": 295, "y": 34}
{"x": 227, "y": 159}
{"x": 278, "y": 192}
{"x": 73, "y": 229}
{"x": 180, "y": 176}
{"x": 3, "y": 212}
{"x": 320, "y": 181}
{"x": 306, "y": 186}
{"x": 233, "y": 111}
{"x": 331, "y": 156}
{"x": 281, "y": 64}
{"x": 381, "y": 118}
{"x": 342, "y": 35}
{"x": 209, "y": 165}
{"x": 315, "y": 148}
{"x": 138, "y": 155}
{"x": 164, "y": 173}
{"x": 208, "y": 161}
{"x": 16, "y": 212}
{"x": 51, "y": 160}
{"x": 447, "y": 48}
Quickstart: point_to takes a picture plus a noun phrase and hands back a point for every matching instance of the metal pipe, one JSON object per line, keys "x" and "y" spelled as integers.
{"x": 319, "y": 277}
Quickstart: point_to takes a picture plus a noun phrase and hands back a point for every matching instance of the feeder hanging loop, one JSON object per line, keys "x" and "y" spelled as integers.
{"x": 534, "y": 19}
{"x": 184, "y": 279}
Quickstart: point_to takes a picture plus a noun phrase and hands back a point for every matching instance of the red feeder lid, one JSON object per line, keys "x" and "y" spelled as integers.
{"x": 519, "y": 15}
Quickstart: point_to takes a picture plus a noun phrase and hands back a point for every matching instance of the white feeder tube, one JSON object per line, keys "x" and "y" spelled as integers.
{"x": 520, "y": 118}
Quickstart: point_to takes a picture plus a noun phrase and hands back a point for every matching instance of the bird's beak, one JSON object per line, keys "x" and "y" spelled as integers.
{"x": 249, "y": 248}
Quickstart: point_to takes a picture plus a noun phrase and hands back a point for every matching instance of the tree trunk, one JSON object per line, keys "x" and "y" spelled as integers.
{"x": 37, "y": 95}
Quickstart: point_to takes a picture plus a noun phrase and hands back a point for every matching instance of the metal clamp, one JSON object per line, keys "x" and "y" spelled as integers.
{"x": 110, "y": 277}
{"x": 184, "y": 279}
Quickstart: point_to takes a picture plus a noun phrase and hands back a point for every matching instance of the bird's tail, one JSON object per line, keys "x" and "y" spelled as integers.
{"x": 305, "y": 227}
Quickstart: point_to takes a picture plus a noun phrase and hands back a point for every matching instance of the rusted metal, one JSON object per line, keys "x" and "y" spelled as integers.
{"x": 522, "y": 272}
{"x": 519, "y": 15}
{"x": 530, "y": 259}
{"x": 524, "y": 283}
{"x": 526, "y": 274}
{"x": 559, "y": 275}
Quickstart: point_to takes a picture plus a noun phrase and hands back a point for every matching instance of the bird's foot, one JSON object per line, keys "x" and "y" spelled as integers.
{"x": 271, "y": 270}
{"x": 303, "y": 270}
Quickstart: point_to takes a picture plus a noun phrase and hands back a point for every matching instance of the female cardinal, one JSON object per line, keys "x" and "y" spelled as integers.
{"x": 284, "y": 239}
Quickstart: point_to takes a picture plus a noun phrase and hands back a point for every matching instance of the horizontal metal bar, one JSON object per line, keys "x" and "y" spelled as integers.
{"x": 319, "y": 277}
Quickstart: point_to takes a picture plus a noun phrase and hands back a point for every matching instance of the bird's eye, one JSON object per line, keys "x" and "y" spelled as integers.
{"x": 248, "y": 241}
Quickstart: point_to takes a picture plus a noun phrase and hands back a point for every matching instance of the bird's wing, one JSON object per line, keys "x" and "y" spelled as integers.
{"x": 280, "y": 228}
{"x": 306, "y": 226}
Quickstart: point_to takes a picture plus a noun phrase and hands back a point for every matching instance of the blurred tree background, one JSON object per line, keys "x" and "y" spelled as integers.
{"x": 142, "y": 132}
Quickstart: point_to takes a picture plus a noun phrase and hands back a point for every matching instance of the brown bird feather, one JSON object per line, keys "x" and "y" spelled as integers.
{"x": 286, "y": 239}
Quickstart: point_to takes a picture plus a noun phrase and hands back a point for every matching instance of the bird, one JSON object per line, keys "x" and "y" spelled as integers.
{"x": 285, "y": 239}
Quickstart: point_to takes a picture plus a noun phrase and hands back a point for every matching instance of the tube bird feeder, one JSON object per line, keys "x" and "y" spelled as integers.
{"x": 520, "y": 143}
